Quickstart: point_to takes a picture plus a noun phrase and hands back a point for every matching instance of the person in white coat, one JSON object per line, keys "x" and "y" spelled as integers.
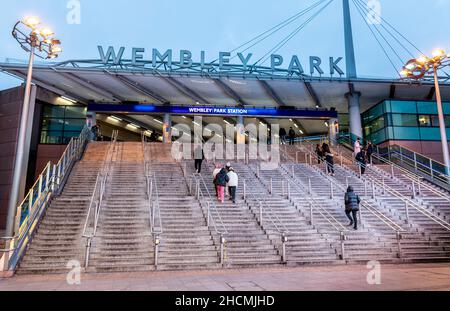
{"x": 357, "y": 146}
{"x": 232, "y": 183}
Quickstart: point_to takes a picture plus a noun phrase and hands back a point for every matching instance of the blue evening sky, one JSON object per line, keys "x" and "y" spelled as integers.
{"x": 221, "y": 25}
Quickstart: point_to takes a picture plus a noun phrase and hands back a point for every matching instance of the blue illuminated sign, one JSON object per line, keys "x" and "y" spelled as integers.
{"x": 214, "y": 111}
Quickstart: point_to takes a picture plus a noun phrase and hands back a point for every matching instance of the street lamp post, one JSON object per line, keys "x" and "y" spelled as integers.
{"x": 38, "y": 42}
{"x": 417, "y": 69}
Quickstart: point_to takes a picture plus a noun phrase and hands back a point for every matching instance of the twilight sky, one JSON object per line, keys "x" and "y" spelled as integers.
{"x": 221, "y": 25}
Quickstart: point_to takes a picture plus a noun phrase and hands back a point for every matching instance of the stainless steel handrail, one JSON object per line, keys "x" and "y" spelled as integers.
{"x": 364, "y": 203}
{"x": 32, "y": 208}
{"x": 403, "y": 198}
{"x": 97, "y": 197}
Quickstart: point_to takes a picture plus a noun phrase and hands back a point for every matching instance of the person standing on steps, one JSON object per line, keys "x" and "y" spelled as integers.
{"x": 329, "y": 159}
{"x": 199, "y": 156}
{"x": 232, "y": 184}
{"x": 227, "y": 168}
{"x": 361, "y": 160}
{"x": 370, "y": 150}
{"x": 221, "y": 180}
{"x": 357, "y": 147}
{"x": 352, "y": 201}
{"x": 215, "y": 173}
{"x": 291, "y": 136}
{"x": 319, "y": 154}
{"x": 282, "y": 134}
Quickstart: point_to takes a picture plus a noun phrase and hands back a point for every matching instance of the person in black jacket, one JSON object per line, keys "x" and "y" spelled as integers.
{"x": 352, "y": 201}
{"x": 199, "y": 156}
{"x": 361, "y": 159}
{"x": 319, "y": 154}
{"x": 370, "y": 150}
{"x": 221, "y": 181}
{"x": 291, "y": 136}
{"x": 282, "y": 133}
{"x": 329, "y": 158}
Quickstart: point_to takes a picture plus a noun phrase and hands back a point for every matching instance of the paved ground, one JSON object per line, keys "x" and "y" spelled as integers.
{"x": 393, "y": 277}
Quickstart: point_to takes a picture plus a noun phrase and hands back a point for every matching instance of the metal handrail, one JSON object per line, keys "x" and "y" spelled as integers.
{"x": 364, "y": 203}
{"x": 97, "y": 197}
{"x": 407, "y": 200}
{"x": 156, "y": 209}
{"x": 271, "y": 213}
{"x": 339, "y": 228}
{"x": 33, "y": 206}
{"x": 199, "y": 182}
{"x": 417, "y": 166}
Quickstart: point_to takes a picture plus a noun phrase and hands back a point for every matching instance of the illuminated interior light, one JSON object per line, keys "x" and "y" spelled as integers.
{"x": 114, "y": 118}
{"x": 160, "y": 122}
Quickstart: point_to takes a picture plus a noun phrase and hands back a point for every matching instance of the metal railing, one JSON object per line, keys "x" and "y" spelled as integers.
{"x": 408, "y": 160}
{"x": 199, "y": 189}
{"x": 98, "y": 195}
{"x": 29, "y": 213}
{"x": 396, "y": 194}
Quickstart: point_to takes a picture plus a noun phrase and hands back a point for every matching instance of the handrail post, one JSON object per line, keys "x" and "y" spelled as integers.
{"x": 407, "y": 212}
{"x": 346, "y": 182}
{"x": 311, "y": 214}
{"x": 271, "y": 185}
{"x": 309, "y": 186}
{"x": 47, "y": 183}
{"x": 53, "y": 177}
{"x": 384, "y": 186}
{"x": 198, "y": 190}
{"x": 260, "y": 214}
{"x": 399, "y": 246}
{"x": 245, "y": 189}
{"x": 360, "y": 170}
{"x": 373, "y": 189}
{"x": 283, "y": 188}
{"x": 288, "y": 190}
{"x": 283, "y": 248}
{"x": 342, "y": 160}
{"x": 156, "y": 251}
{"x": 222, "y": 242}
{"x": 296, "y": 157}
{"x": 365, "y": 188}
{"x": 431, "y": 169}
{"x": 413, "y": 189}
{"x": 331, "y": 190}
{"x": 88, "y": 247}
{"x": 415, "y": 162}
{"x": 342, "y": 237}
{"x": 392, "y": 171}
{"x": 306, "y": 158}
{"x": 418, "y": 185}
{"x": 360, "y": 217}
{"x": 310, "y": 160}
{"x": 257, "y": 171}
{"x": 293, "y": 172}
{"x": 208, "y": 214}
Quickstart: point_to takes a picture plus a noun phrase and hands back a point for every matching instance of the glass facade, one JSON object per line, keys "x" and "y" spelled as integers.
{"x": 404, "y": 120}
{"x": 61, "y": 123}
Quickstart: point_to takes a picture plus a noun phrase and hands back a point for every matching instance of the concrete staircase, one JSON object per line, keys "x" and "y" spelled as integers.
{"x": 58, "y": 239}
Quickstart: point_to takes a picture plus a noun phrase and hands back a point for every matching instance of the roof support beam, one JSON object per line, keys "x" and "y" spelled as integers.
{"x": 91, "y": 86}
{"x": 392, "y": 91}
{"x": 271, "y": 92}
{"x": 313, "y": 94}
{"x": 139, "y": 88}
{"x": 185, "y": 90}
{"x": 50, "y": 88}
{"x": 230, "y": 92}
{"x": 431, "y": 94}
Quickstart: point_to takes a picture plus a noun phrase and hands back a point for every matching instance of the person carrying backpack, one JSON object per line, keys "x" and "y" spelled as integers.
{"x": 232, "y": 184}
{"x": 199, "y": 156}
{"x": 221, "y": 181}
{"x": 352, "y": 201}
{"x": 361, "y": 160}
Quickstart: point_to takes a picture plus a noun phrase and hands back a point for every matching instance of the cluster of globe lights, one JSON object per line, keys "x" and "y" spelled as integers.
{"x": 41, "y": 41}
{"x": 417, "y": 68}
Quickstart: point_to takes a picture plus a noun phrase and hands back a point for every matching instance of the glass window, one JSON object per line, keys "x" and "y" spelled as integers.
{"x": 425, "y": 121}
{"x": 435, "y": 121}
{"x": 51, "y": 111}
{"x": 447, "y": 121}
{"x": 430, "y": 133}
{"x": 49, "y": 137}
{"x": 404, "y": 120}
{"x": 52, "y": 124}
{"x": 74, "y": 124}
{"x": 75, "y": 112}
{"x": 427, "y": 108}
{"x": 403, "y": 107}
{"x": 446, "y": 107}
{"x": 406, "y": 133}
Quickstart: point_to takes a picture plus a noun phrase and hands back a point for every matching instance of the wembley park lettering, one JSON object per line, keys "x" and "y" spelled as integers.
{"x": 222, "y": 61}
{"x": 231, "y": 111}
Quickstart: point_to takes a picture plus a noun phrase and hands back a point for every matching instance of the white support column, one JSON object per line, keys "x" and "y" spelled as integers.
{"x": 167, "y": 129}
{"x": 333, "y": 130}
{"x": 240, "y": 130}
{"x": 354, "y": 114}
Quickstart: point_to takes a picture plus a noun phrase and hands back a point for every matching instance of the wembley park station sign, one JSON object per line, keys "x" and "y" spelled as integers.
{"x": 222, "y": 62}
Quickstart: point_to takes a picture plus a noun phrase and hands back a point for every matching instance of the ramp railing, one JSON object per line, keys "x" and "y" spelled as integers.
{"x": 29, "y": 213}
